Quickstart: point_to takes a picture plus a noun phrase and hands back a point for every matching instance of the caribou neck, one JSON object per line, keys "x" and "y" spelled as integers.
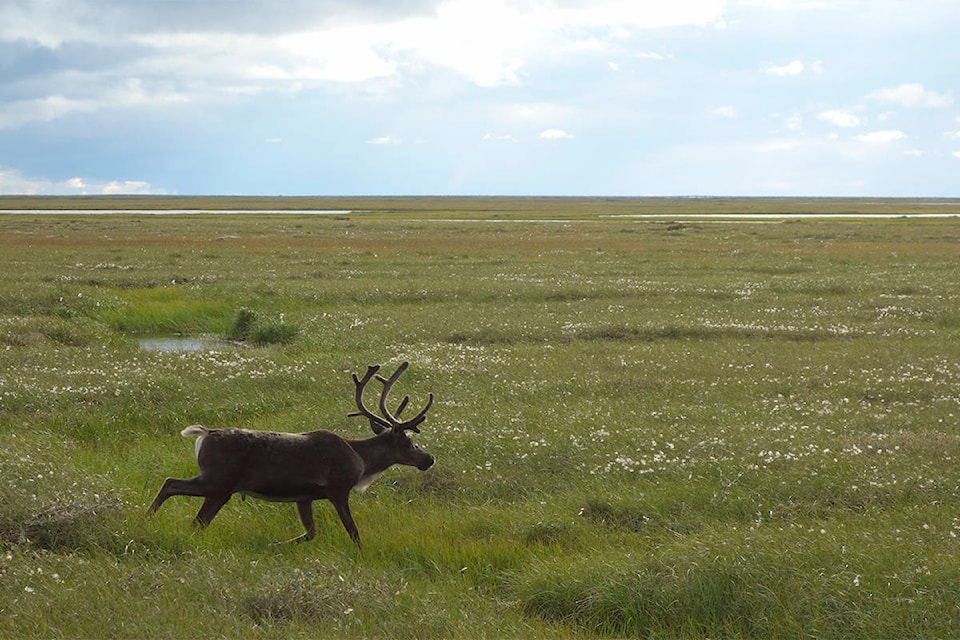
{"x": 376, "y": 453}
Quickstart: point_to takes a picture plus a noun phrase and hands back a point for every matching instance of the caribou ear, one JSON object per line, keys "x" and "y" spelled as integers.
{"x": 410, "y": 427}
{"x": 377, "y": 427}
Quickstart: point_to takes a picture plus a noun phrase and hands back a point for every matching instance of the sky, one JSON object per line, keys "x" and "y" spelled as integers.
{"x": 480, "y": 97}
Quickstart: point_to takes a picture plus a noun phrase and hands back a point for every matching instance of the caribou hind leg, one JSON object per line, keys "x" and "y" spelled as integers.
{"x": 196, "y": 487}
{"x": 305, "y": 511}
{"x": 176, "y": 487}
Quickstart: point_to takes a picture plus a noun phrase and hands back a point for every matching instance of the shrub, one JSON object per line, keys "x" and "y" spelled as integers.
{"x": 248, "y": 327}
{"x": 242, "y": 325}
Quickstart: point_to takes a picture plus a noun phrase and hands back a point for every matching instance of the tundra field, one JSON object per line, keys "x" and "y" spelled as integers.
{"x": 667, "y": 427}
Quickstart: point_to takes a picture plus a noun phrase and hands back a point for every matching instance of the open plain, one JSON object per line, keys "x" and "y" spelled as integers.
{"x": 649, "y": 421}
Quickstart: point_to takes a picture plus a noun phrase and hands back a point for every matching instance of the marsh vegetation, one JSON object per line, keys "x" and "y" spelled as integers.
{"x": 642, "y": 427}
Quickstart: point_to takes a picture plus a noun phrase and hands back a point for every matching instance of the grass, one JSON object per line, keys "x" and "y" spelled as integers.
{"x": 643, "y": 429}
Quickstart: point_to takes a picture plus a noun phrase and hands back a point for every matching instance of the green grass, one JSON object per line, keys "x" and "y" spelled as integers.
{"x": 642, "y": 429}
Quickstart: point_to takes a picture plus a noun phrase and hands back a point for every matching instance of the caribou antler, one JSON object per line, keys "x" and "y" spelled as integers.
{"x": 387, "y": 420}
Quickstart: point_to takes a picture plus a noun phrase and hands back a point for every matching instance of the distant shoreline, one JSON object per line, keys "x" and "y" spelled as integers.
{"x": 493, "y": 207}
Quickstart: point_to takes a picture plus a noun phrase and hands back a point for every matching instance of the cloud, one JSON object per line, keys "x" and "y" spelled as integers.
{"x": 490, "y": 42}
{"x": 784, "y": 5}
{"x": 487, "y": 42}
{"x": 793, "y": 68}
{"x": 881, "y": 137}
{"x": 196, "y": 52}
{"x": 912, "y": 95}
{"x": 840, "y": 117}
{"x": 504, "y": 138}
{"x": 726, "y": 111}
{"x": 956, "y": 154}
{"x": 652, "y": 55}
{"x": 126, "y": 186}
{"x": 130, "y": 93}
{"x": 13, "y": 182}
{"x": 19, "y": 112}
{"x": 535, "y": 113}
{"x": 794, "y": 122}
{"x": 555, "y": 134}
{"x": 383, "y": 140}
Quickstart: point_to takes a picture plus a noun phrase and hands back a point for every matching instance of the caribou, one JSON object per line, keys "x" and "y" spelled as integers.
{"x": 302, "y": 467}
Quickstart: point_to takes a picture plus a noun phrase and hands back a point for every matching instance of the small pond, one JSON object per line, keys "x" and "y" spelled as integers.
{"x": 183, "y": 343}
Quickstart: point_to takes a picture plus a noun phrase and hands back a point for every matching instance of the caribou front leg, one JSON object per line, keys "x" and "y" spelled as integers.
{"x": 342, "y": 503}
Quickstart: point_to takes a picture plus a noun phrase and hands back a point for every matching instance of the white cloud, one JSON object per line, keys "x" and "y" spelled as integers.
{"x": 840, "y": 117}
{"x": 793, "y": 68}
{"x": 490, "y": 41}
{"x": 881, "y": 137}
{"x": 126, "y": 186}
{"x": 348, "y": 54}
{"x": 130, "y": 93}
{"x": 912, "y": 95}
{"x": 167, "y": 55}
{"x": 383, "y": 140}
{"x": 486, "y": 41}
{"x": 47, "y": 24}
{"x": 555, "y": 134}
{"x": 914, "y": 153}
{"x": 956, "y": 154}
{"x": 20, "y": 112}
{"x": 538, "y": 113}
{"x": 784, "y": 5}
{"x": 13, "y": 182}
{"x": 587, "y": 44}
{"x": 504, "y": 138}
{"x": 726, "y": 111}
{"x": 652, "y": 55}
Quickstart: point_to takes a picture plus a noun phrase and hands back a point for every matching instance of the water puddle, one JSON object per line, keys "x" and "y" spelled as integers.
{"x": 177, "y": 344}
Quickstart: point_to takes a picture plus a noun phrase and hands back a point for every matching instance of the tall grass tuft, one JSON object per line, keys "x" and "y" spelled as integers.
{"x": 249, "y": 327}
{"x": 46, "y": 503}
{"x": 320, "y": 595}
